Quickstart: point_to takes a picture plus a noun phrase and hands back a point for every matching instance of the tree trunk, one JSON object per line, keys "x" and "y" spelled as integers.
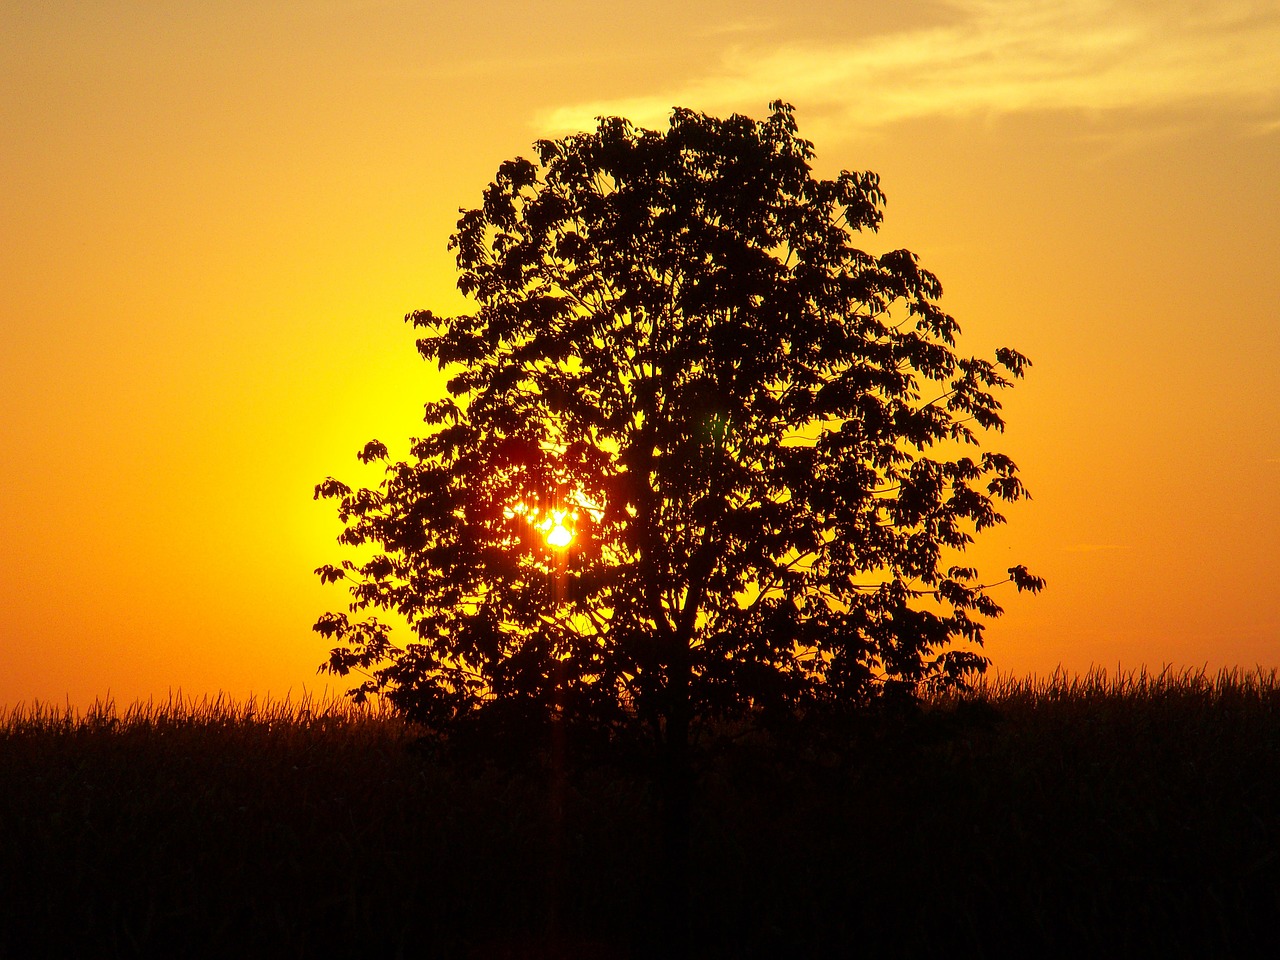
{"x": 676, "y": 801}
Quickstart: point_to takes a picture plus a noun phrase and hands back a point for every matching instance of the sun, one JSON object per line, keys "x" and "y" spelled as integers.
{"x": 559, "y": 535}
{"x": 556, "y": 526}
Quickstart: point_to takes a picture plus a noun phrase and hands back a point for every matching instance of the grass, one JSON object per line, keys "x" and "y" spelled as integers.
{"x": 1134, "y": 815}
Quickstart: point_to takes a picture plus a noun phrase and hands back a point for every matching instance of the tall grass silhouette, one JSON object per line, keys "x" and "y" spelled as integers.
{"x": 1132, "y": 813}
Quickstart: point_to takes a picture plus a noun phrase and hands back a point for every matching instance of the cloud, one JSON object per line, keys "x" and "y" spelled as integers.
{"x": 999, "y": 57}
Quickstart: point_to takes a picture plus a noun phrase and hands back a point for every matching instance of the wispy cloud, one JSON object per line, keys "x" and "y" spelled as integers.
{"x": 999, "y": 57}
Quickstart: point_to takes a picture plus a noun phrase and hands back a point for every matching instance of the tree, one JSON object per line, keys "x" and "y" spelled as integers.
{"x": 756, "y": 445}
{"x": 701, "y": 456}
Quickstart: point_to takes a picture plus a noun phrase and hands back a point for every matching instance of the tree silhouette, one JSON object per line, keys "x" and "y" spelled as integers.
{"x": 730, "y": 418}
{"x": 701, "y": 456}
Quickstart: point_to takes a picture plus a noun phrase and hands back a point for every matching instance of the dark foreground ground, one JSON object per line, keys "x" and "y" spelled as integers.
{"x": 1065, "y": 819}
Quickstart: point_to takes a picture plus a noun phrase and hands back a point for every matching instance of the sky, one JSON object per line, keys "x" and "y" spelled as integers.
{"x": 214, "y": 216}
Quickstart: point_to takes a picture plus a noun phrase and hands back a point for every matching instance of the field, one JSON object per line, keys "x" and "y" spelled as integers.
{"x": 1137, "y": 816}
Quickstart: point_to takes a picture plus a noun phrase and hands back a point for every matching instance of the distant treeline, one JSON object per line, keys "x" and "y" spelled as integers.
{"x": 1129, "y": 816}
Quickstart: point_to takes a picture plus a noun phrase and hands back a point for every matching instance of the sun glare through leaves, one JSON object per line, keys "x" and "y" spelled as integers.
{"x": 557, "y": 525}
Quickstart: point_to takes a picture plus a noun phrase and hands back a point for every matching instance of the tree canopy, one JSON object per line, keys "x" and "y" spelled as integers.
{"x": 700, "y": 454}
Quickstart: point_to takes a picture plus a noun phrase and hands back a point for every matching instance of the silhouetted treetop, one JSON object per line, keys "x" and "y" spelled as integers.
{"x": 700, "y": 453}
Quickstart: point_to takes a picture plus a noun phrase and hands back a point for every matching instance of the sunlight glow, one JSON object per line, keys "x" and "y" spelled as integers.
{"x": 559, "y": 536}
{"x": 556, "y": 526}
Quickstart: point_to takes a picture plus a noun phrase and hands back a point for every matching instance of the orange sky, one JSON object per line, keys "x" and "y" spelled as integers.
{"x": 214, "y": 216}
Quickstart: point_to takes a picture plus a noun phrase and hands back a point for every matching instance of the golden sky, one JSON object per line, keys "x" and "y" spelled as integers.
{"x": 214, "y": 215}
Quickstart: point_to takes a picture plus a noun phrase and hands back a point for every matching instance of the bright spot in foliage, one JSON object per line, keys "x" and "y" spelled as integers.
{"x": 556, "y": 526}
{"x": 559, "y": 536}
{"x": 553, "y": 528}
